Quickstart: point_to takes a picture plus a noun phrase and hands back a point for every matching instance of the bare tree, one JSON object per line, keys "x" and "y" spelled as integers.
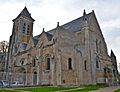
{"x": 4, "y": 46}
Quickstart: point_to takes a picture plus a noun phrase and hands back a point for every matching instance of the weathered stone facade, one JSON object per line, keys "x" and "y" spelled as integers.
{"x": 72, "y": 54}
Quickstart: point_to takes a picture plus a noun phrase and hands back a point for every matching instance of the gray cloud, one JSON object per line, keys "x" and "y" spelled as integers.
{"x": 28, "y": 2}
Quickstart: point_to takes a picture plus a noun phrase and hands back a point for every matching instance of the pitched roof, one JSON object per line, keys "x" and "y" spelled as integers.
{"x": 49, "y": 36}
{"x": 37, "y": 36}
{"x": 74, "y": 25}
{"x": 25, "y": 13}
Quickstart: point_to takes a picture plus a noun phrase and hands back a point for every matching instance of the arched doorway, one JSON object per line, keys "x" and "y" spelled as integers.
{"x": 35, "y": 78}
{"x": 24, "y": 78}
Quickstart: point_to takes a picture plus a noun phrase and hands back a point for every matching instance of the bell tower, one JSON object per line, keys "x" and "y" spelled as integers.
{"x": 22, "y": 31}
{"x": 23, "y": 26}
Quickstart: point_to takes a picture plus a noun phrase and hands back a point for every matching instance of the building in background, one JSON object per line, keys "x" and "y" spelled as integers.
{"x": 3, "y": 60}
{"x": 71, "y": 54}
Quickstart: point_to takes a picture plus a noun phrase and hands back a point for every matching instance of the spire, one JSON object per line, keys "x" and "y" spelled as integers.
{"x": 25, "y": 13}
{"x": 93, "y": 12}
{"x": 84, "y": 12}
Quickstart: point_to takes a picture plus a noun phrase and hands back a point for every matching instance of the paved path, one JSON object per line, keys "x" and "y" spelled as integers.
{"x": 107, "y": 89}
{"x": 68, "y": 90}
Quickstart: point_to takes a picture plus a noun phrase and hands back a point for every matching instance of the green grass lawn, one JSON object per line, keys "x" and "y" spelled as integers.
{"x": 41, "y": 89}
{"x": 89, "y": 88}
{"x": 46, "y": 89}
{"x": 3, "y": 90}
{"x": 52, "y": 89}
{"x": 117, "y": 90}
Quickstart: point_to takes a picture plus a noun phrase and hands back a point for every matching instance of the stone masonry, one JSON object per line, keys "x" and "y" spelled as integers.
{"x": 71, "y": 54}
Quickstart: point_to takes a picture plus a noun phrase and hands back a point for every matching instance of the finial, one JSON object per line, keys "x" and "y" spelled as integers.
{"x": 92, "y": 11}
{"x": 57, "y": 24}
{"x": 111, "y": 51}
{"x": 84, "y": 12}
{"x": 43, "y": 30}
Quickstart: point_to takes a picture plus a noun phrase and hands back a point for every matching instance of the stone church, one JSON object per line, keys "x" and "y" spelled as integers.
{"x": 71, "y": 54}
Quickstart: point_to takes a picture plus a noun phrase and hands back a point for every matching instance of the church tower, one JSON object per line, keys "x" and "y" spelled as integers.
{"x": 23, "y": 26}
{"x": 22, "y": 30}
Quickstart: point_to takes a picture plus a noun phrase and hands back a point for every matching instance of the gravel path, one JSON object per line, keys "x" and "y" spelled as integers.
{"x": 108, "y": 89}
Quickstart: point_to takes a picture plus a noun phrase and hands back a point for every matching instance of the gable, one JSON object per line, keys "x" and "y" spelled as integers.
{"x": 44, "y": 38}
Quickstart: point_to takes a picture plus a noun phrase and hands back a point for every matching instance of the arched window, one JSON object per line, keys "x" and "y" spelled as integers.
{"x": 97, "y": 62}
{"x": 28, "y": 28}
{"x": 69, "y": 63}
{"x": 23, "y": 30}
{"x": 48, "y": 63}
{"x": 34, "y": 62}
{"x": 24, "y": 27}
{"x": 85, "y": 65}
{"x": 22, "y": 61}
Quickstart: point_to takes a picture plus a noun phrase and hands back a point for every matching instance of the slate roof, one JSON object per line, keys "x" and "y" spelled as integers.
{"x": 37, "y": 36}
{"x": 25, "y": 13}
{"x": 49, "y": 36}
{"x": 74, "y": 25}
{"x": 35, "y": 41}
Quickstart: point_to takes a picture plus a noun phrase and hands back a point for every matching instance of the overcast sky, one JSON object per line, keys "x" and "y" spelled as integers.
{"x": 48, "y": 12}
